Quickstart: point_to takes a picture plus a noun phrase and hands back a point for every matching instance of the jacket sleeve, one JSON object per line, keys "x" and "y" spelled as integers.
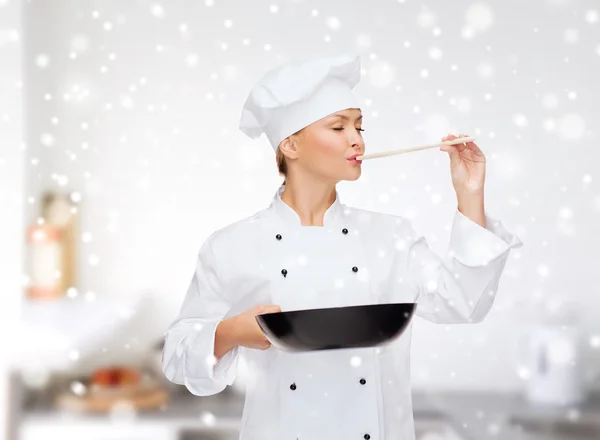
{"x": 188, "y": 354}
{"x": 461, "y": 286}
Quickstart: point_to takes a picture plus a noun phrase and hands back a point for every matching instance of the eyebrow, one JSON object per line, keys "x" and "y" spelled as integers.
{"x": 346, "y": 117}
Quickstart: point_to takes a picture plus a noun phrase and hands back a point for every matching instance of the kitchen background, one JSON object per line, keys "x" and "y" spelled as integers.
{"x": 120, "y": 153}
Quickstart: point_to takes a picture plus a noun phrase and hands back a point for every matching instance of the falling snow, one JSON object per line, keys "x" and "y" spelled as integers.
{"x": 140, "y": 129}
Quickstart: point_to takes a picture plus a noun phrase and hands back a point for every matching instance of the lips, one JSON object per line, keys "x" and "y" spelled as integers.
{"x": 354, "y": 159}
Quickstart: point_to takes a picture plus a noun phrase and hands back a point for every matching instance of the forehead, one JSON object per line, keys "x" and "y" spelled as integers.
{"x": 346, "y": 115}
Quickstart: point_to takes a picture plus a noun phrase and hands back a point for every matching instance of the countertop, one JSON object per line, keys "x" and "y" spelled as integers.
{"x": 475, "y": 415}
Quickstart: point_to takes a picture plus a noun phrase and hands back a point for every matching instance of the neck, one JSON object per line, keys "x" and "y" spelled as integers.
{"x": 309, "y": 199}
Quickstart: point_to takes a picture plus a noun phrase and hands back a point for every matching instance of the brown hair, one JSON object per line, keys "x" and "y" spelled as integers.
{"x": 281, "y": 165}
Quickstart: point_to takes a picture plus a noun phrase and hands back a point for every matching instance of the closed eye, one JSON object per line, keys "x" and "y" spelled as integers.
{"x": 338, "y": 129}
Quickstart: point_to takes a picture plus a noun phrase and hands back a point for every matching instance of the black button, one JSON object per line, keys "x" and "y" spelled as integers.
{"x": 345, "y": 231}
{"x": 355, "y": 269}
{"x": 362, "y": 381}
{"x": 278, "y": 236}
{"x": 284, "y": 272}
{"x": 367, "y": 436}
{"x": 293, "y": 386}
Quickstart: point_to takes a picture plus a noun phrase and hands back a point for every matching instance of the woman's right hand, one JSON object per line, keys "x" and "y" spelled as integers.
{"x": 248, "y": 332}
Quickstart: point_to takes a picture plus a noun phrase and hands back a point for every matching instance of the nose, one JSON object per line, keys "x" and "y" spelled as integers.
{"x": 359, "y": 146}
{"x": 358, "y": 141}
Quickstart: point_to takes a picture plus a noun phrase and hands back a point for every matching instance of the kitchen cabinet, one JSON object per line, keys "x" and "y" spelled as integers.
{"x": 458, "y": 415}
{"x": 73, "y": 430}
{"x": 203, "y": 435}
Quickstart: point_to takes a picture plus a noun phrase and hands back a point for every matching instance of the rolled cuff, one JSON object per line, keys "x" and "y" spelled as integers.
{"x": 204, "y": 368}
{"x": 473, "y": 245}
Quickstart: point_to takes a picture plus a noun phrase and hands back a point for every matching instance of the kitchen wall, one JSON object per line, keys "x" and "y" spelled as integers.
{"x": 134, "y": 106}
{"x": 12, "y": 198}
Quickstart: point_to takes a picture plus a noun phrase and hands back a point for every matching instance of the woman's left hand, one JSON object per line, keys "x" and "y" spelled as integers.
{"x": 467, "y": 165}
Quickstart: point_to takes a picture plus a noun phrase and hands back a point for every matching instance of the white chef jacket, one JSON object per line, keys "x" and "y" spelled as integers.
{"x": 357, "y": 257}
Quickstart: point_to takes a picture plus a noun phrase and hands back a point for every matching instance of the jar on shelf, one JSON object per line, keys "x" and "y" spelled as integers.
{"x": 60, "y": 211}
{"x": 44, "y": 263}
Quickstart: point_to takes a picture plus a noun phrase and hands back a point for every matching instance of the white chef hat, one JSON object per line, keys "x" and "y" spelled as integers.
{"x": 298, "y": 93}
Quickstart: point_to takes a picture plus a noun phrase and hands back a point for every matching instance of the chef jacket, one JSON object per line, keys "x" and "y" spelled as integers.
{"x": 357, "y": 257}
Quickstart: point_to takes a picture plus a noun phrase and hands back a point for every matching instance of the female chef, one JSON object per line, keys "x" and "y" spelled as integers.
{"x": 309, "y": 250}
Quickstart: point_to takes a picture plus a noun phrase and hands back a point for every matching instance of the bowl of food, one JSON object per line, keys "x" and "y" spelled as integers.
{"x": 336, "y": 327}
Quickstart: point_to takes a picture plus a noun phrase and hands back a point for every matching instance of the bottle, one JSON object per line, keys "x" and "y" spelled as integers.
{"x": 58, "y": 210}
{"x": 51, "y": 245}
{"x": 44, "y": 261}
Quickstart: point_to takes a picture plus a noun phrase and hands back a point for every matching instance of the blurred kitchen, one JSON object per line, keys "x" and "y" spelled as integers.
{"x": 120, "y": 154}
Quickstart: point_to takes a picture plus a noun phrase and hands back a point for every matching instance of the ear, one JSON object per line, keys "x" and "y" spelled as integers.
{"x": 289, "y": 147}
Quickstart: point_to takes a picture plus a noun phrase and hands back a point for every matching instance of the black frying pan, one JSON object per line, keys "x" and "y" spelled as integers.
{"x": 336, "y": 327}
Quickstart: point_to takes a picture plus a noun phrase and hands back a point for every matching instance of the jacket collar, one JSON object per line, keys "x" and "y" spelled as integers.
{"x": 291, "y": 217}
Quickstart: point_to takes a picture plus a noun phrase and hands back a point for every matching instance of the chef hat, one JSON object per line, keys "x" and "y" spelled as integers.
{"x": 298, "y": 93}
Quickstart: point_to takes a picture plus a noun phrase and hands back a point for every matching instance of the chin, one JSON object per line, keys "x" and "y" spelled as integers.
{"x": 354, "y": 177}
{"x": 348, "y": 176}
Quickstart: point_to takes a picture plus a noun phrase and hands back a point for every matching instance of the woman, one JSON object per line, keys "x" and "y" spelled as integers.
{"x": 308, "y": 250}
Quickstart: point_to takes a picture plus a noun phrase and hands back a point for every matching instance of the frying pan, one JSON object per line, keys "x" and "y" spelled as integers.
{"x": 336, "y": 327}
